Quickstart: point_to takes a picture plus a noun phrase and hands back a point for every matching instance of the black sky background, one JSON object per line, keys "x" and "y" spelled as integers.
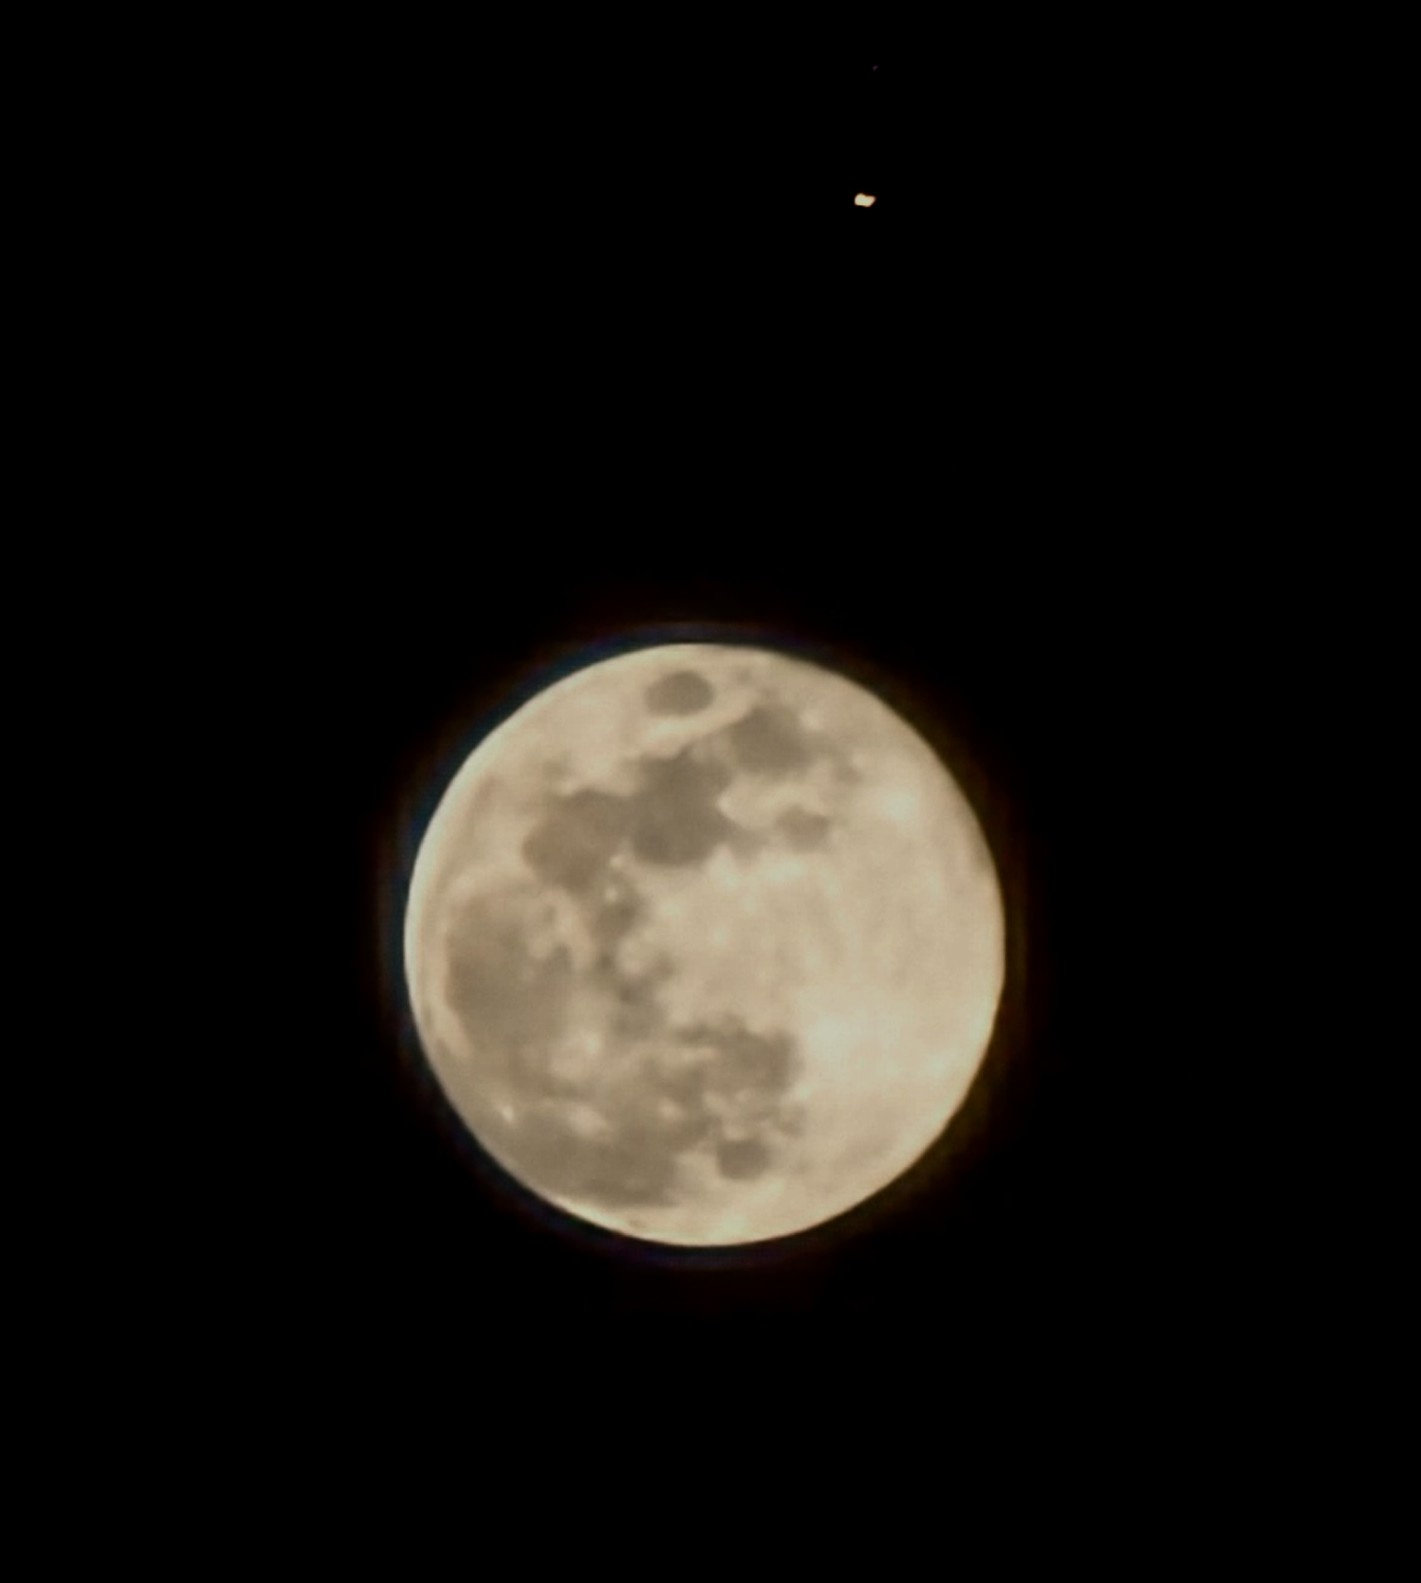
{"x": 480, "y": 415}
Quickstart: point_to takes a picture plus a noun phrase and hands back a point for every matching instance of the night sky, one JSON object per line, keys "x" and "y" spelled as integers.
{"x": 527, "y": 352}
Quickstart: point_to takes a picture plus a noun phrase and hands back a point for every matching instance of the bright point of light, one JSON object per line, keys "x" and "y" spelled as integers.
{"x": 865, "y": 200}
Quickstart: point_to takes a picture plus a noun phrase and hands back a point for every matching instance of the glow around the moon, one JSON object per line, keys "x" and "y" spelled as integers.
{"x": 704, "y": 945}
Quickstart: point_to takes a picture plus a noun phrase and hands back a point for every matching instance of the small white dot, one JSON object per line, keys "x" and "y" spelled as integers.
{"x": 865, "y": 200}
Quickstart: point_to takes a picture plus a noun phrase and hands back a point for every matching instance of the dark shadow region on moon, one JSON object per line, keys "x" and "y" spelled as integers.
{"x": 748, "y": 1060}
{"x": 507, "y": 1000}
{"x": 681, "y": 693}
{"x": 720, "y": 1084}
{"x": 742, "y": 1160}
{"x": 675, "y": 820}
{"x": 770, "y": 740}
{"x": 617, "y": 1138}
{"x": 803, "y": 830}
{"x": 571, "y": 844}
{"x": 672, "y": 820}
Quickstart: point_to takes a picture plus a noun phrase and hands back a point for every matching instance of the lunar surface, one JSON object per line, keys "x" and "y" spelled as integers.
{"x": 704, "y": 944}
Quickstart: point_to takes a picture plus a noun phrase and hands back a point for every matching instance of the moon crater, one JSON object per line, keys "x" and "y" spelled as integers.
{"x": 680, "y": 693}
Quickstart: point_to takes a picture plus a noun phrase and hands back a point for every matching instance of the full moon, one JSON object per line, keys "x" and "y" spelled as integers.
{"x": 704, "y": 944}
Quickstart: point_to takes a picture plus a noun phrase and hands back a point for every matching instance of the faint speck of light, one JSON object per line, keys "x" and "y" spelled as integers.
{"x": 865, "y": 200}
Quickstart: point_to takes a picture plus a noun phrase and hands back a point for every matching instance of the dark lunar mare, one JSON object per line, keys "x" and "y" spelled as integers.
{"x": 514, "y": 1007}
{"x": 680, "y": 693}
{"x": 803, "y": 830}
{"x": 508, "y": 1001}
{"x": 675, "y": 821}
{"x": 571, "y": 844}
{"x": 743, "y": 1159}
{"x": 770, "y": 741}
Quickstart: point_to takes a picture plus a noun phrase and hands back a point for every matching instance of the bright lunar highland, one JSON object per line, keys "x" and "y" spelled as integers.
{"x": 704, "y": 944}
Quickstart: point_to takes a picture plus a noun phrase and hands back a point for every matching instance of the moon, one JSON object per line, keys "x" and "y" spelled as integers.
{"x": 704, "y": 944}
